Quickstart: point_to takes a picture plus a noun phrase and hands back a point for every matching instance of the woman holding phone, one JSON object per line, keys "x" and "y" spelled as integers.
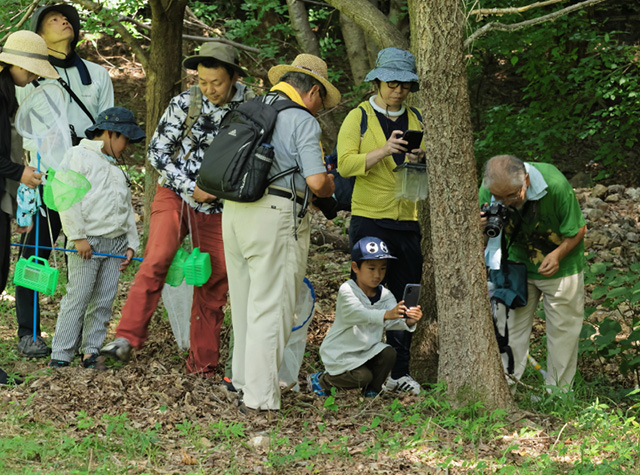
{"x": 370, "y": 146}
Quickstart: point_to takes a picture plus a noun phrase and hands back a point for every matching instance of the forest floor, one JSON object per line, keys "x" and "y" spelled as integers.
{"x": 148, "y": 416}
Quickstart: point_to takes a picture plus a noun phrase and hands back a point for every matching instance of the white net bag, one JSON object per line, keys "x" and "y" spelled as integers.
{"x": 42, "y": 117}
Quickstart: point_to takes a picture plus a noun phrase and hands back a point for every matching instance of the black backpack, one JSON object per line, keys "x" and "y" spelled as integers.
{"x": 236, "y": 165}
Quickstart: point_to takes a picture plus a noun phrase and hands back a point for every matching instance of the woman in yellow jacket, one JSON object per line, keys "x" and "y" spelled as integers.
{"x": 371, "y": 157}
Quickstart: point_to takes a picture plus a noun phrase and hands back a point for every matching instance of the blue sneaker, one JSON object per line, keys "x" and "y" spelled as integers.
{"x": 370, "y": 393}
{"x": 313, "y": 383}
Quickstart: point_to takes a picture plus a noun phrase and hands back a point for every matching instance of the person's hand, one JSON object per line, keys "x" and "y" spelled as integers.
{"x": 550, "y": 265}
{"x": 84, "y": 248}
{"x": 31, "y": 177}
{"x": 23, "y": 229}
{"x": 483, "y": 218}
{"x": 127, "y": 261}
{"x": 396, "y": 312}
{"x": 416, "y": 155}
{"x": 202, "y": 196}
{"x": 413, "y": 315}
{"x": 395, "y": 144}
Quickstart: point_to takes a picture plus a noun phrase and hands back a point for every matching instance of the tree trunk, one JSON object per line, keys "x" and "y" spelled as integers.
{"x": 300, "y": 23}
{"x": 355, "y": 43}
{"x": 469, "y": 361}
{"x": 163, "y": 78}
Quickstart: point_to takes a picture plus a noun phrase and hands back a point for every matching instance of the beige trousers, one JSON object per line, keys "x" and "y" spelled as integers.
{"x": 266, "y": 267}
{"x": 563, "y": 302}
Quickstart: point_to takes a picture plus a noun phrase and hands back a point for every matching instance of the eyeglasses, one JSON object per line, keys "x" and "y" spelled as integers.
{"x": 511, "y": 197}
{"x": 394, "y": 84}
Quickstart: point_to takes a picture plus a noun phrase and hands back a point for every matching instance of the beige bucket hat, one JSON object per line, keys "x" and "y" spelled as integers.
{"x": 314, "y": 67}
{"x": 29, "y": 51}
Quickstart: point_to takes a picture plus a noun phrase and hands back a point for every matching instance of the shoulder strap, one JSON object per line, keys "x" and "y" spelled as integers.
{"x": 77, "y": 99}
{"x": 417, "y": 113}
{"x": 193, "y": 114}
{"x": 363, "y": 121}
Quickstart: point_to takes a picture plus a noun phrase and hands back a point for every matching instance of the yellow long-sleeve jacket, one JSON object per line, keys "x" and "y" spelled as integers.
{"x": 374, "y": 190}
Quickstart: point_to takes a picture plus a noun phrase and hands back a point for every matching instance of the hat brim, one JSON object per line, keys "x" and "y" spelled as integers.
{"x": 67, "y": 10}
{"x": 40, "y": 67}
{"x": 333, "y": 95}
{"x": 192, "y": 63}
{"x": 387, "y": 75}
{"x": 134, "y": 133}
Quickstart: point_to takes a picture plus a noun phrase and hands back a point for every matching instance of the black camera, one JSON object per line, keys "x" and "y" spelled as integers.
{"x": 496, "y": 214}
{"x": 328, "y": 206}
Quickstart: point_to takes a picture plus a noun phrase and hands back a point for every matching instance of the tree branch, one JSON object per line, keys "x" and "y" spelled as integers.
{"x": 23, "y": 20}
{"x": 524, "y": 24}
{"x": 133, "y": 43}
{"x": 372, "y": 21}
{"x": 504, "y": 11}
{"x": 222, "y": 40}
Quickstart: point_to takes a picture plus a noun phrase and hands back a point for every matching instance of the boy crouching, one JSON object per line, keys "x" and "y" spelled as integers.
{"x": 353, "y": 352}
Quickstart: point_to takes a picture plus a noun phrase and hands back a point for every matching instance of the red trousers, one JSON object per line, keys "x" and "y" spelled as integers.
{"x": 168, "y": 226}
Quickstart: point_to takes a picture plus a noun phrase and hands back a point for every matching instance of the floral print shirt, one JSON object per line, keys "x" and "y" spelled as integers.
{"x": 179, "y": 174}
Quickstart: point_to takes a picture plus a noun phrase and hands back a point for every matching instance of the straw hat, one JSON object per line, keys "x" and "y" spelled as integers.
{"x": 29, "y": 51}
{"x": 219, "y": 51}
{"x": 314, "y": 67}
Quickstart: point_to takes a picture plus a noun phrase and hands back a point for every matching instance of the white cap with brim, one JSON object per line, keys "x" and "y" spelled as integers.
{"x": 28, "y": 51}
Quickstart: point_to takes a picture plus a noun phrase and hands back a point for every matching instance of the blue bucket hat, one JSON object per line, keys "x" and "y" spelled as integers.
{"x": 117, "y": 119}
{"x": 394, "y": 64}
{"x": 370, "y": 248}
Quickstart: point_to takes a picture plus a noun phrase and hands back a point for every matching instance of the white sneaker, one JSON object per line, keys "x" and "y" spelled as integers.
{"x": 403, "y": 384}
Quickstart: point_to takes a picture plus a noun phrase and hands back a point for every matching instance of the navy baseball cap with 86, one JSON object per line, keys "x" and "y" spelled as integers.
{"x": 370, "y": 248}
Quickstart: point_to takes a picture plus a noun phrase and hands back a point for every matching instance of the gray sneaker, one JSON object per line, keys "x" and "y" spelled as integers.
{"x": 33, "y": 349}
{"x": 120, "y": 349}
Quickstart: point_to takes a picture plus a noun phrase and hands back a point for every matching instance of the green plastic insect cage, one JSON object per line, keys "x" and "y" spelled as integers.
{"x": 197, "y": 268}
{"x": 175, "y": 276}
{"x": 36, "y": 276}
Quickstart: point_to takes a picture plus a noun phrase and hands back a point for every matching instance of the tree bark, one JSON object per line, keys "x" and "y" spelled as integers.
{"x": 372, "y": 21}
{"x": 469, "y": 362}
{"x": 355, "y": 43}
{"x": 163, "y": 78}
{"x": 300, "y": 23}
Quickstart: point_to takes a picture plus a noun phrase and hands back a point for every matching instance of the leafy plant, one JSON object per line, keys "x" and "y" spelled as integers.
{"x": 618, "y": 290}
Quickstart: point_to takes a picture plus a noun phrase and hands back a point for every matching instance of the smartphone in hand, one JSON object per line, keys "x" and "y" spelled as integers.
{"x": 411, "y": 295}
{"x": 414, "y": 137}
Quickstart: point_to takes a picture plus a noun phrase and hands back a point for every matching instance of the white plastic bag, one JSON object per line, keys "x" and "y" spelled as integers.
{"x": 294, "y": 351}
{"x": 178, "y": 301}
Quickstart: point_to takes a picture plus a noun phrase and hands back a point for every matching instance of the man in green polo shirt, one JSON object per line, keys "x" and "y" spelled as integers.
{"x": 549, "y": 241}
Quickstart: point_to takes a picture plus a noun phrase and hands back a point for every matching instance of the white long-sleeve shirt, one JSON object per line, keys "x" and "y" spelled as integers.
{"x": 106, "y": 209}
{"x": 356, "y": 335}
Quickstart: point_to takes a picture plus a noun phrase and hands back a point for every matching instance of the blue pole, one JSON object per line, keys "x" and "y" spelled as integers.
{"x": 35, "y": 293}
{"x": 73, "y": 250}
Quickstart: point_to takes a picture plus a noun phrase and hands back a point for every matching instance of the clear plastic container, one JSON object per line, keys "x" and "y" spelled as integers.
{"x": 411, "y": 181}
